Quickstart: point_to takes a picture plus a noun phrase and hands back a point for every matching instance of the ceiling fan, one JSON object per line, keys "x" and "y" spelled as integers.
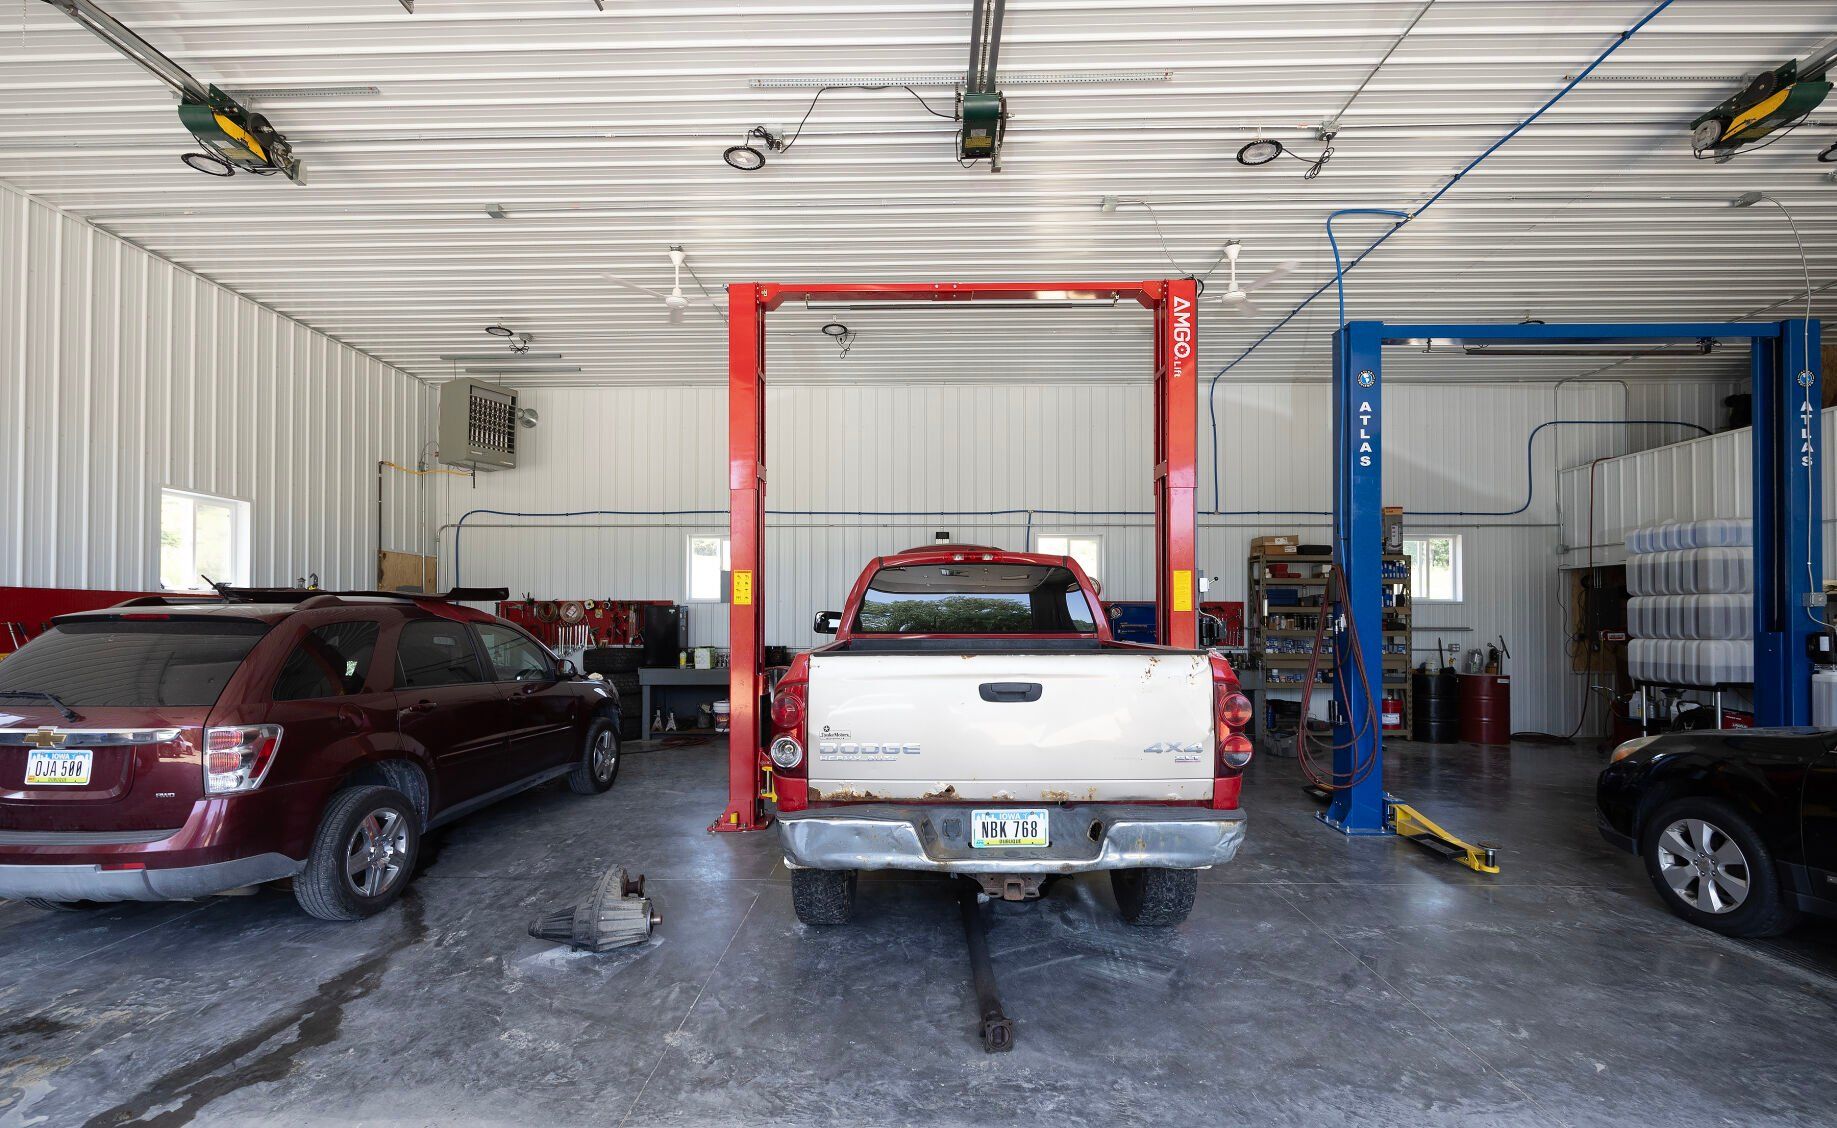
{"x": 1237, "y": 297}
{"x": 676, "y": 302}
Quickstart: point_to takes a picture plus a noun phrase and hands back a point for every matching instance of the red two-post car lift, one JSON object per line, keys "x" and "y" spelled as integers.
{"x": 1174, "y": 303}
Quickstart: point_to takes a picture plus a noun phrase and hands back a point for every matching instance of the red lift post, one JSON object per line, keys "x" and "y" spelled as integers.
{"x": 1174, "y": 303}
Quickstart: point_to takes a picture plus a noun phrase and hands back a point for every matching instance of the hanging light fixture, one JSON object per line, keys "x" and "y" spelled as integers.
{"x": 1259, "y": 152}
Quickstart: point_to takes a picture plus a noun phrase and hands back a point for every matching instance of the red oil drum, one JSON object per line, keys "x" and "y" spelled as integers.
{"x": 1486, "y": 708}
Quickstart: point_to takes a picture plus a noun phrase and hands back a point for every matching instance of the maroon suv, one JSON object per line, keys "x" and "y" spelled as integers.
{"x": 164, "y": 749}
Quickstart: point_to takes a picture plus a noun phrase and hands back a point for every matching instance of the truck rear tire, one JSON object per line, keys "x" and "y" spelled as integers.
{"x": 1154, "y": 898}
{"x": 823, "y": 897}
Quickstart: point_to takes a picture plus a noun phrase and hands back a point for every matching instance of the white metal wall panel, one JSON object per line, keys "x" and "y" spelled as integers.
{"x": 1691, "y": 481}
{"x": 861, "y": 469}
{"x": 124, "y": 373}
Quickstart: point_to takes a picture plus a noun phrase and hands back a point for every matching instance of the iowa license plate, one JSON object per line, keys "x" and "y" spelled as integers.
{"x": 54, "y": 769}
{"x": 1019, "y": 826}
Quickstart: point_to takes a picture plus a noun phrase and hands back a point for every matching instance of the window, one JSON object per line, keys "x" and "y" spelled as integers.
{"x": 103, "y": 663}
{"x": 1435, "y": 568}
{"x": 514, "y": 655}
{"x": 330, "y": 661}
{"x": 202, "y": 539}
{"x": 974, "y": 599}
{"x": 1087, "y": 551}
{"x": 432, "y": 653}
{"x": 710, "y": 554}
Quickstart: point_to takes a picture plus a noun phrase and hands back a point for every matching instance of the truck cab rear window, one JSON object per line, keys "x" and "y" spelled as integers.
{"x": 108, "y": 663}
{"x": 973, "y": 598}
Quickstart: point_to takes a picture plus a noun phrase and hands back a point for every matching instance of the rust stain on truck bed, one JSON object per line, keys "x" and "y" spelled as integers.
{"x": 845, "y": 795}
{"x": 946, "y": 791}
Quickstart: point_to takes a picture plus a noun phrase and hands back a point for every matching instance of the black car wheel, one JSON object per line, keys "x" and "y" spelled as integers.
{"x": 823, "y": 896}
{"x": 1154, "y": 898}
{"x": 1712, "y": 869}
{"x": 598, "y": 765}
{"x": 63, "y": 906}
{"x": 362, "y": 855}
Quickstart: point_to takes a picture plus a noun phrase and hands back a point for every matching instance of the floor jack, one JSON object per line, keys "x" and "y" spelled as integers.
{"x": 996, "y": 1028}
{"x": 1408, "y": 823}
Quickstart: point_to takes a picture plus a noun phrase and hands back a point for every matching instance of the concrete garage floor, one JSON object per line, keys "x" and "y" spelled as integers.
{"x": 1320, "y": 980}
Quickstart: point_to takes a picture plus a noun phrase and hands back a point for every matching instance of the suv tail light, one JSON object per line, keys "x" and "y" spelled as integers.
{"x": 1234, "y": 713}
{"x": 237, "y": 757}
{"x": 788, "y": 711}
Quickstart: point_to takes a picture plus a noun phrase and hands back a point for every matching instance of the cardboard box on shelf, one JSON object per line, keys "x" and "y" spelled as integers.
{"x": 1285, "y": 545}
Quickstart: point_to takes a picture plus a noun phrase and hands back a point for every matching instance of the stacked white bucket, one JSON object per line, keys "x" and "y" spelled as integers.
{"x": 1690, "y": 617}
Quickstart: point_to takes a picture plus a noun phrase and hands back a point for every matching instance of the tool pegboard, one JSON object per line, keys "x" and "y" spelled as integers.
{"x": 606, "y": 622}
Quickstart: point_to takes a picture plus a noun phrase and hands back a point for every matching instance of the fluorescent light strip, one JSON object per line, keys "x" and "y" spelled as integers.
{"x": 508, "y": 369}
{"x": 1005, "y": 79}
{"x": 283, "y": 93}
{"x": 515, "y": 359}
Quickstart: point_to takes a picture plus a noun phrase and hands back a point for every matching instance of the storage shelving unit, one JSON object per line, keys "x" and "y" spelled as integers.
{"x": 1279, "y": 630}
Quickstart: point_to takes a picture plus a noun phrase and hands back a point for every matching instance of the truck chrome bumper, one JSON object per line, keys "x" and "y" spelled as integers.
{"x": 1085, "y": 837}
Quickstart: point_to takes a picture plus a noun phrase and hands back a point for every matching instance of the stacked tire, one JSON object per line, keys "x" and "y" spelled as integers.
{"x": 619, "y": 666}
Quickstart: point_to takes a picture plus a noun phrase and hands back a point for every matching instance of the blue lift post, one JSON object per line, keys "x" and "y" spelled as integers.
{"x": 1788, "y": 543}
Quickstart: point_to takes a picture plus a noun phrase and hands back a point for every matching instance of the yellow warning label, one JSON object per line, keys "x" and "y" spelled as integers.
{"x": 1183, "y": 589}
{"x": 743, "y": 589}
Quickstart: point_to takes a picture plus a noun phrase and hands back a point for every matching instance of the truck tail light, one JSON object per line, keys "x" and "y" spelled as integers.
{"x": 788, "y": 708}
{"x": 237, "y": 757}
{"x": 1234, "y": 713}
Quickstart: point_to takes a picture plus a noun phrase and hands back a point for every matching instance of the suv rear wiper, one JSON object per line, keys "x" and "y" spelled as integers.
{"x": 38, "y": 694}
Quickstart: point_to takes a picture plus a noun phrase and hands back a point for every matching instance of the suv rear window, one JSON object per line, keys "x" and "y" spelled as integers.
{"x": 974, "y": 599}
{"x": 330, "y": 661}
{"x": 109, "y": 663}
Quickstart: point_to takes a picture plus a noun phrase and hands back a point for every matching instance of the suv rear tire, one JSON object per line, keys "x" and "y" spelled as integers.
{"x": 823, "y": 897}
{"x": 377, "y": 831}
{"x": 598, "y": 764}
{"x": 1154, "y": 898}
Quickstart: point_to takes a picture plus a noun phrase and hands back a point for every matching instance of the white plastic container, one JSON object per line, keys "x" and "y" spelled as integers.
{"x": 1691, "y": 616}
{"x": 1722, "y": 532}
{"x": 1691, "y": 571}
{"x": 1698, "y": 662}
{"x": 1824, "y": 697}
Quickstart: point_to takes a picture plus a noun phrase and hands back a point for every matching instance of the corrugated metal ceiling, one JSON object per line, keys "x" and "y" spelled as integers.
{"x": 600, "y": 133}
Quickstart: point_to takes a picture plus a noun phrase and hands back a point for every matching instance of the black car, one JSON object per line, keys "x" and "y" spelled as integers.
{"x": 1738, "y": 828}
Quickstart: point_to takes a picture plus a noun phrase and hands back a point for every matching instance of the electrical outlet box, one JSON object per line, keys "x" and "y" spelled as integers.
{"x": 478, "y": 425}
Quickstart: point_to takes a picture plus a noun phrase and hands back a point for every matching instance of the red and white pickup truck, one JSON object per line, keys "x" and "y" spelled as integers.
{"x": 975, "y": 717}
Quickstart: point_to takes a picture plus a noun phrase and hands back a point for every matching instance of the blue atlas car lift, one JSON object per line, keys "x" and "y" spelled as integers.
{"x": 1788, "y": 550}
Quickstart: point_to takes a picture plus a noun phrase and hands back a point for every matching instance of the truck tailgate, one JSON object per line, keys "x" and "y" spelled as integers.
{"x": 1054, "y": 727}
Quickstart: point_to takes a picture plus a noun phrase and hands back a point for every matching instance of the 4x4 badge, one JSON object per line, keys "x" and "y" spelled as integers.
{"x": 46, "y": 737}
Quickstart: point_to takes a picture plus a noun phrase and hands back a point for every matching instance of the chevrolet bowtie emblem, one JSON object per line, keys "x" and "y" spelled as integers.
{"x": 46, "y": 738}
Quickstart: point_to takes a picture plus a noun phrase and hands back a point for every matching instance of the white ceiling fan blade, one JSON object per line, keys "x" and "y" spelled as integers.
{"x": 658, "y": 294}
{"x": 1248, "y": 308}
{"x": 676, "y": 313}
{"x": 1274, "y": 274}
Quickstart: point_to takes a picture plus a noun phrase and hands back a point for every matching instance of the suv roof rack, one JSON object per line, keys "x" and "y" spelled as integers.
{"x": 316, "y": 597}
{"x": 313, "y": 596}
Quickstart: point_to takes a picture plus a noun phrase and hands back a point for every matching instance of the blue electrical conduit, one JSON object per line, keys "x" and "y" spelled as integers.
{"x": 460, "y": 525}
{"x": 1340, "y": 272}
{"x": 1530, "y": 496}
{"x": 1530, "y": 493}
